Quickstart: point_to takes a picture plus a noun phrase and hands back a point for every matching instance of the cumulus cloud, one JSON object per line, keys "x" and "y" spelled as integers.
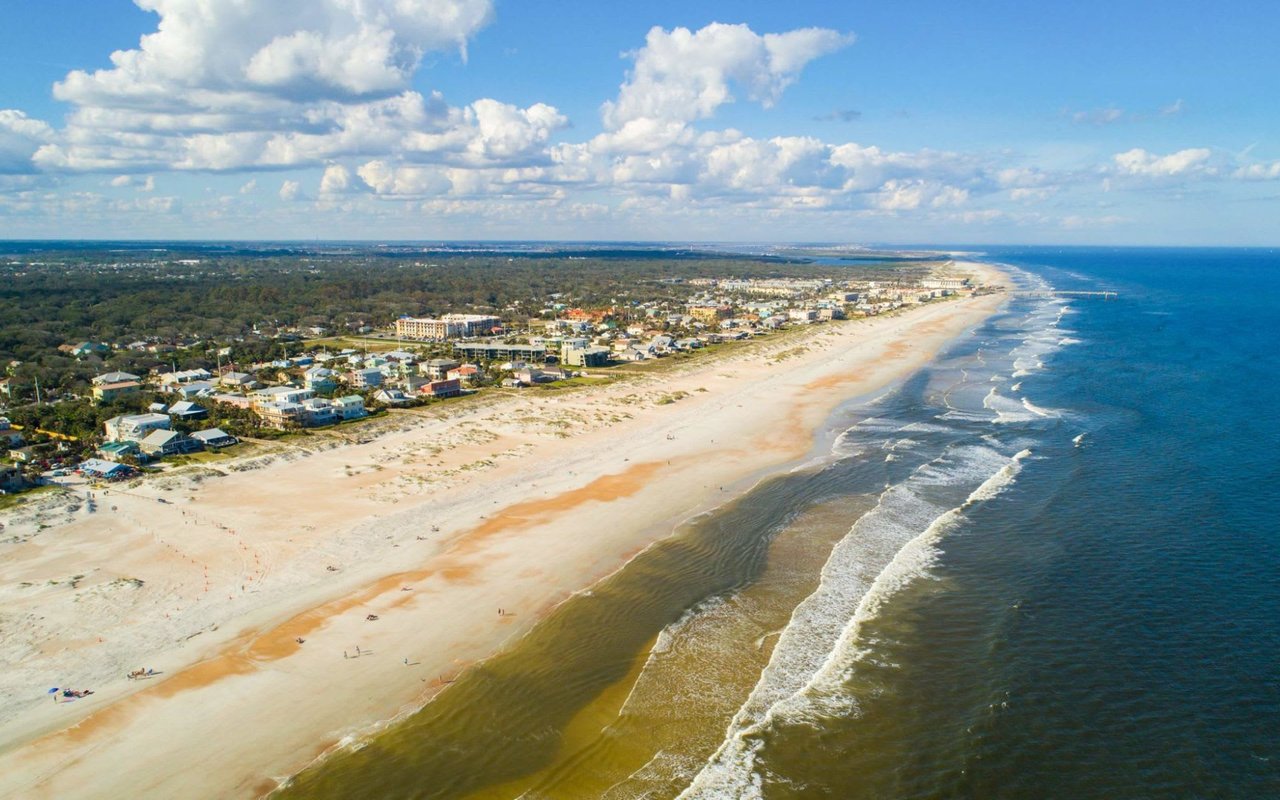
{"x": 681, "y": 75}
{"x": 20, "y": 138}
{"x": 336, "y": 180}
{"x": 282, "y": 83}
{"x": 206, "y": 55}
{"x": 907, "y": 195}
{"x": 1139, "y": 162}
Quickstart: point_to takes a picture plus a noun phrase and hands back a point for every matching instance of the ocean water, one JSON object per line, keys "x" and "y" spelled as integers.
{"x": 1045, "y": 566}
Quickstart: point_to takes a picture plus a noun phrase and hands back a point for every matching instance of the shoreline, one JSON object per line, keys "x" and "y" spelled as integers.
{"x": 553, "y": 532}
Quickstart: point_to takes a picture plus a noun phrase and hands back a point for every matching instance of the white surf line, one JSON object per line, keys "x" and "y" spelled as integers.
{"x": 730, "y": 772}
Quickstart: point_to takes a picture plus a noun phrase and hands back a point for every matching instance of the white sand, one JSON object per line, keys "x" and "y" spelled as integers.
{"x": 514, "y": 503}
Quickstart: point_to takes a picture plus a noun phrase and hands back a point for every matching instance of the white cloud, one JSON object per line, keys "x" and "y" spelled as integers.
{"x": 1139, "y": 162}
{"x": 908, "y": 195}
{"x": 244, "y": 85}
{"x": 1258, "y": 172}
{"x": 336, "y": 180}
{"x": 273, "y": 83}
{"x": 1099, "y": 116}
{"x": 1032, "y": 195}
{"x": 1110, "y": 115}
{"x": 20, "y": 138}
{"x": 681, "y": 76}
{"x": 204, "y": 52}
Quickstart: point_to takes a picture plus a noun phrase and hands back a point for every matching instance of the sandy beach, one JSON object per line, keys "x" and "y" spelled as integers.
{"x": 295, "y": 599}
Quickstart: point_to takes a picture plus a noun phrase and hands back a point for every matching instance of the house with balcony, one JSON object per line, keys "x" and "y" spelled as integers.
{"x": 135, "y": 427}
{"x": 349, "y": 407}
{"x": 367, "y": 378}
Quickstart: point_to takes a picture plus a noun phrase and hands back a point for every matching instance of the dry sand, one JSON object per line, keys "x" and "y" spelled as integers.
{"x": 211, "y": 575}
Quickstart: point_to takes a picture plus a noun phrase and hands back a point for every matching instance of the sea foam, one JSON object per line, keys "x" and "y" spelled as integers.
{"x": 885, "y": 550}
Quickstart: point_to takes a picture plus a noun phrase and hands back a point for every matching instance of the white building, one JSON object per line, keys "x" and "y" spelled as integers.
{"x": 450, "y": 326}
{"x": 134, "y": 427}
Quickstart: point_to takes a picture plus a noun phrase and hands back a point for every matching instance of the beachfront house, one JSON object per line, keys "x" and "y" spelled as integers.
{"x": 450, "y": 387}
{"x": 214, "y": 437}
{"x": 349, "y": 407}
{"x": 134, "y": 427}
{"x": 116, "y": 451}
{"x": 158, "y": 444}
{"x": 392, "y": 397}
{"x": 528, "y": 376}
{"x": 281, "y": 413}
{"x": 97, "y": 468}
{"x": 577, "y": 353}
{"x": 12, "y": 479}
{"x": 317, "y": 411}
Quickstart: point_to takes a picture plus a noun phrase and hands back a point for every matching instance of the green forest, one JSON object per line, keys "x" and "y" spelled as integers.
{"x": 196, "y": 296}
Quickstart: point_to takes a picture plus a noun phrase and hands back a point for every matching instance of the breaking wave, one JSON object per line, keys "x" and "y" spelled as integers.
{"x": 885, "y": 550}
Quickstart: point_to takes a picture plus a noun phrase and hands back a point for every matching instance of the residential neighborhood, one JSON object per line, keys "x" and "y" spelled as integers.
{"x": 170, "y": 412}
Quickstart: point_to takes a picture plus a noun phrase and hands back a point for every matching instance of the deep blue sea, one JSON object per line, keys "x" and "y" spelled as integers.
{"x": 1046, "y": 566}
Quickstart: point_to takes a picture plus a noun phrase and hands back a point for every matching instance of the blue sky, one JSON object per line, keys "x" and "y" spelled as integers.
{"x": 987, "y": 121}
